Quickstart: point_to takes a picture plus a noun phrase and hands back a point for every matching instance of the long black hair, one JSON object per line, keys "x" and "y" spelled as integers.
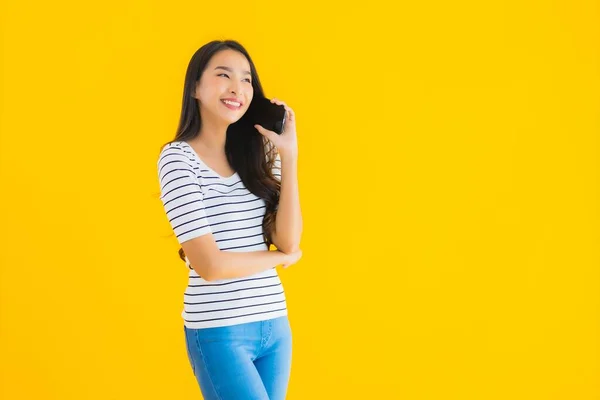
{"x": 248, "y": 152}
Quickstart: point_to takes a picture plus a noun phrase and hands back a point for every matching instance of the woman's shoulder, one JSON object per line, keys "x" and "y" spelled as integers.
{"x": 174, "y": 145}
{"x": 174, "y": 150}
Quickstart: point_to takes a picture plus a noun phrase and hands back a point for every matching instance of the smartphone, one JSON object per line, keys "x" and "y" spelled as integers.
{"x": 269, "y": 115}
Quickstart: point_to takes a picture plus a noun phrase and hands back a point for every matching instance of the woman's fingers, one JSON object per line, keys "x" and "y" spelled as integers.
{"x": 269, "y": 134}
{"x": 290, "y": 112}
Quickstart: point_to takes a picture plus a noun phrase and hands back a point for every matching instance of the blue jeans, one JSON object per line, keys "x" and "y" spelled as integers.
{"x": 249, "y": 361}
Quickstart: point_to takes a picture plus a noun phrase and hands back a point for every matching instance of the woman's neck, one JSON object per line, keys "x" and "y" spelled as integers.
{"x": 212, "y": 135}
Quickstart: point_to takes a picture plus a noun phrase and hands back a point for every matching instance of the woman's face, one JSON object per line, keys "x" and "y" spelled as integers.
{"x": 225, "y": 87}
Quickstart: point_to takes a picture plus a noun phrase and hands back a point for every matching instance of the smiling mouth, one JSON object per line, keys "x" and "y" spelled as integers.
{"x": 234, "y": 105}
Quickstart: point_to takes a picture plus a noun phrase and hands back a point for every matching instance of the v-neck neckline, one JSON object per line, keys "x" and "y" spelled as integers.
{"x": 224, "y": 178}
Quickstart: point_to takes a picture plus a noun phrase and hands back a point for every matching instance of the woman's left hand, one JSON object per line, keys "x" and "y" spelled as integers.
{"x": 286, "y": 143}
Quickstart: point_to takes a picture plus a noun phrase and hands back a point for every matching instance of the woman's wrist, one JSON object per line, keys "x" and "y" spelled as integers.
{"x": 288, "y": 154}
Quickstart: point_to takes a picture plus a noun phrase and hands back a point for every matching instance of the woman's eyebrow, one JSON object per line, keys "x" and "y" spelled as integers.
{"x": 230, "y": 70}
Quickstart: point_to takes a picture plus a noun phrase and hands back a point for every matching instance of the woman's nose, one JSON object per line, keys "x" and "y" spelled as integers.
{"x": 236, "y": 90}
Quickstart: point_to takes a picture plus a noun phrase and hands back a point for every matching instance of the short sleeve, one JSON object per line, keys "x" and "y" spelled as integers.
{"x": 181, "y": 195}
{"x": 276, "y": 169}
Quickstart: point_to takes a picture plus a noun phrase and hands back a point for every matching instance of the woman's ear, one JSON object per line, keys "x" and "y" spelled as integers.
{"x": 196, "y": 84}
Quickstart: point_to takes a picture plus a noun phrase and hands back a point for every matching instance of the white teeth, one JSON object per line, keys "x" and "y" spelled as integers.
{"x": 233, "y": 103}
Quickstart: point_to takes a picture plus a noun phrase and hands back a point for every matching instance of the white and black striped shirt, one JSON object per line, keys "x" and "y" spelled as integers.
{"x": 197, "y": 201}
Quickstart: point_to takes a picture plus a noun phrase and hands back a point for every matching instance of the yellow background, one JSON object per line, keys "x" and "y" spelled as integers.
{"x": 448, "y": 178}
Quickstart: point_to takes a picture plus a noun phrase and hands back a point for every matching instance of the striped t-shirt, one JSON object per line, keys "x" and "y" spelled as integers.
{"x": 197, "y": 201}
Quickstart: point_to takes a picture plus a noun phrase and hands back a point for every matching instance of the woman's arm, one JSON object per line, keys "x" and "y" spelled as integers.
{"x": 212, "y": 264}
{"x": 288, "y": 222}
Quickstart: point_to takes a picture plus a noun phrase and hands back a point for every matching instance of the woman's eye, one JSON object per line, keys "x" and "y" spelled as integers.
{"x": 247, "y": 79}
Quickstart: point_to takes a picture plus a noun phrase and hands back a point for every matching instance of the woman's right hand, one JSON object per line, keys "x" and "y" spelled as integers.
{"x": 291, "y": 258}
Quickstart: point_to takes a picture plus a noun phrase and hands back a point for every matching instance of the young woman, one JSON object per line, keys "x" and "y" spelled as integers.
{"x": 229, "y": 189}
